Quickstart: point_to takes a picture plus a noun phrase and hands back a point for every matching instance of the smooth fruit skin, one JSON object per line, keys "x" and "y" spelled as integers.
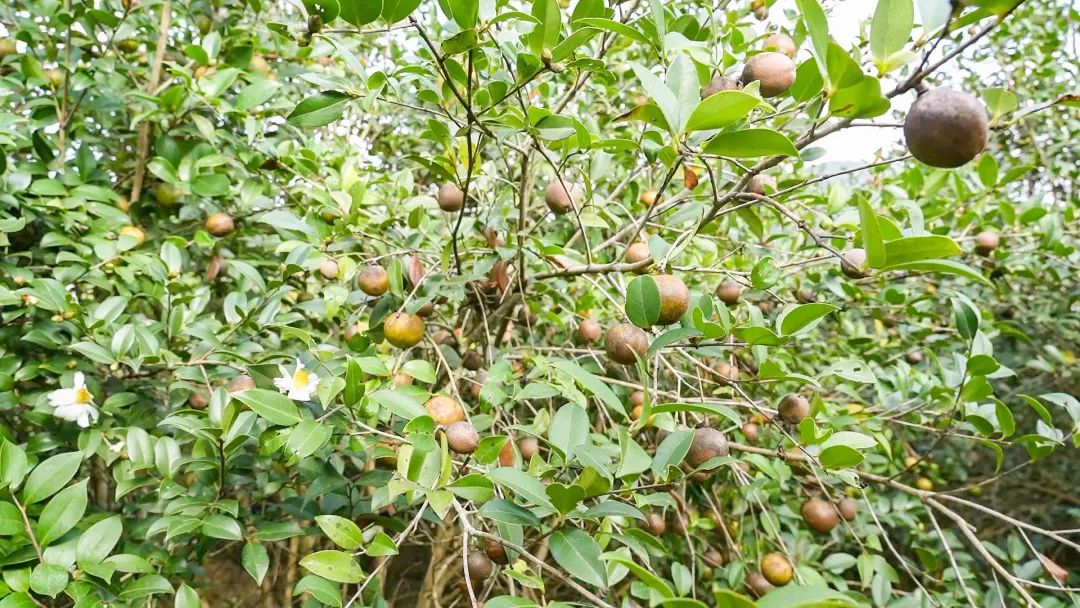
{"x": 450, "y": 198}
{"x": 674, "y": 298}
{"x": 718, "y": 84}
{"x": 655, "y": 524}
{"x": 166, "y": 194}
{"x": 328, "y": 269}
{"x": 480, "y": 567}
{"x": 780, "y": 42}
{"x": 528, "y": 446}
{"x": 758, "y": 183}
{"x": 648, "y": 197}
{"x": 462, "y": 438}
{"x": 776, "y": 569}
{"x": 241, "y": 383}
{"x": 562, "y": 196}
{"x": 637, "y": 398}
{"x": 220, "y": 224}
{"x": 946, "y": 128}
{"x": 638, "y": 252}
{"x": 7, "y": 47}
{"x": 708, "y": 443}
{"x": 986, "y": 242}
{"x": 853, "y": 263}
{"x": 374, "y": 281}
{"x": 775, "y": 72}
{"x": 589, "y": 331}
{"x": 758, "y": 584}
{"x": 727, "y": 372}
{"x": 848, "y": 508}
{"x": 134, "y": 231}
{"x": 403, "y": 330}
{"x": 820, "y": 515}
{"x": 729, "y": 292}
{"x": 495, "y": 551}
{"x": 793, "y": 408}
{"x": 625, "y": 340}
{"x": 444, "y": 410}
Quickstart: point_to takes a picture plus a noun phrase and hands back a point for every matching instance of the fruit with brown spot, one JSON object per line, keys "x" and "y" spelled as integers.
{"x": 776, "y": 569}
{"x": 674, "y": 298}
{"x": 444, "y": 410}
{"x": 775, "y": 72}
{"x": 198, "y": 400}
{"x": 708, "y": 443}
{"x": 403, "y": 330}
{"x": 729, "y": 292}
{"x": 820, "y": 515}
{"x": 374, "y": 280}
{"x": 793, "y": 408}
{"x": 507, "y": 455}
{"x": 461, "y": 437}
{"x": 450, "y": 197}
{"x": 625, "y": 342}
{"x": 400, "y": 379}
{"x": 946, "y": 128}
{"x": 496, "y": 552}
{"x": 719, "y": 84}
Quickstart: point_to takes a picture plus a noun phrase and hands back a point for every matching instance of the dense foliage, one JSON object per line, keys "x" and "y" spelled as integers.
{"x": 537, "y": 303}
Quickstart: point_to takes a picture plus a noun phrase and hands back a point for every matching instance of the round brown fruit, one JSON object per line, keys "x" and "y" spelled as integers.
{"x": 403, "y": 330}
{"x": 215, "y": 267}
{"x": 426, "y": 310}
{"x": 328, "y": 269}
{"x": 729, "y": 292}
{"x": 848, "y": 508}
{"x": 793, "y": 408}
{"x": 625, "y": 342}
{"x": 638, "y": 252}
{"x": 506, "y": 454}
{"x": 780, "y": 42}
{"x": 853, "y": 263}
{"x": 758, "y": 584}
{"x": 751, "y": 431}
{"x": 198, "y": 400}
{"x": 820, "y": 515}
{"x": 444, "y": 410}
{"x": 637, "y": 399}
{"x": 480, "y": 567}
{"x": 648, "y": 197}
{"x": 528, "y": 446}
{"x": 713, "y": 558}
{"x": 562, "y": 196}
{"x": 242, "y": 382}
{"x": 776, "y": 569}
{"x": 708, "y": 443}
{"x": 462, "y": 437}
{"x": 674, "y": 298}
{"x": 374, "y": 280}
{"x": 401, "y": 379}
{"x": 986, "y": 242}
{"x": 718, "y": 84}
{"x": 589, "y": 331}
{"x": 476, "y": 385}
{"x": 946, "y": 128}
{"x": 914, "y": 357}
{"x": 775, "y": 72}
{"x": 727, "y": 372}
{"x": 450, "y": 198}
{"x": 472, "y": 360}
{"x": 495, "y": 551}
{"x": 655, "y": 524}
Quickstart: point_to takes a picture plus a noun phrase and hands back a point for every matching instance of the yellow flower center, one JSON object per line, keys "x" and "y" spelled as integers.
{"x": 82, "y": 395}
{"x": 300, "y": 377}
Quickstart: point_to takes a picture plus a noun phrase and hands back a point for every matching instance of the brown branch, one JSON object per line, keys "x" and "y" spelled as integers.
{"x": 143, "y": 145}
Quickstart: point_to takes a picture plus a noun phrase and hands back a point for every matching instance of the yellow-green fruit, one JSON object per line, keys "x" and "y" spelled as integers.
{"x": 648, "y": 197}
{"x": 7, "y": 47}
{"x": 55, "y": 76}
{"x": 374, "y": 280}
{"x": 167, "y": 194}
{"x": 674, "y": 298}
{"x": 776, "y": 569}
{"x": 134, "y": 231}
{"x": 128, "y": 45}
{"x": 444, "y": 410}
{"x": 403, "y": 330}
{"x": 775, "y": 72}
{"x": 924, "y": 484}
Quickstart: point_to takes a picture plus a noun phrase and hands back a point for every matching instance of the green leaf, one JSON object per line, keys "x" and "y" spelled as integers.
{"x": 320, "y": 589}
{"x": 256, "y": 94}
{"x": 613, "y": 508}
{"x": 522, "y": 484}
{"x": 256, "y": 561}
{"x": 186, "y": 597}
{"x": 982, "y": 365}
{"x": 99, "y": 540}
{"x": 751, "y": 143}
{"x": 222, "y": 526}
{"x": 891, "y": 27}
{"x": 817, "y": 26}
{"x": 399, "y": 402}
{"x": 643, "y": 301}
{"x": 1006, "y": 422}
{"x": 805, "y": 596}
{"x": 579, "y": 554}
{"x": 803, "y": 317}
{"x": 333, "y": 565}
{"x": 460, "y": 42}
{"x": 710, "y": 409}
{"x": 474, "y": 487}
{"x": 614, "y": 27}
{"x": 720, "y": 110}
{"x": 13, "y": 464}
{"x": 840, "y": 457}
{"x": 593, "y": 384}
{"x": 48, "y": 579}
{"x": 343, "y": 532}
{"x": 507, "y": 512}
{"x": 726, "y": 598}
{"x": 319, "y": 110}
{"x": 396, "y": 10}
{"x": 569, "y": 428}
{"x": 360, "y": 12}
{"x": 464, "y": 12}
{"x": 272, "y": 406}
{"x": 421, "y": 370}
{"x": 62, "y": 513}
{"x": 871, "y": 235}
{"x": 659, "y": 92}
{"x": 671, "y": 451}
{"x": 943, "y": 267}
{"x": 146, "y": 586}
{"x": 307, "y": 437}
{"x": 546, "y": 33}
{"x": 966, "y": 316}
{"x": 50, "y": 475}
{"x": 654, "y": 582}
{"x": 918, "y": 248}
{"x": 669, "y": 337}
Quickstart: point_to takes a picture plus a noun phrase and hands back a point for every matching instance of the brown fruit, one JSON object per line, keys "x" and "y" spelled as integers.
{"x": 914, "y": 357}
{"x": 758, "y": 584}
{"x": 848, "y": 508}
{"x": 780, "y": 42}
{"x": 776, "y": 569}
{"x": 625, "y": 342}
{"x": 820, "y": 515}
{"x": 648, "y": 197}
{"x": 198, "y": 400}
{"x": 444, "y": 410}
{"x": 853, "y": 263}
{"x": 450, "y": 198}
{"x": 718, "y": 84}
{"x": 674, "y": 298}
{"x": 775, "y": 72}
{"x": 708, "y": 443}
{"x": 528, "y": 447}
{"x": 480, "y": 567}
{"x": 793, "y": 408}
{"x": 638, "y": 252}
{"x": 374, "y": 280}
{"x": 476, "y": 385}
{"x": 679, "y": 523}
{"x": 135, "y": 232}
{"x": 751, "y": 431}
{"x": 759, "y": 183}
{"x": 401, "y": 379}
{"x": 655, "y": 524}
{"x": 946, "y": 128}
{"x": 426, "y": 310}
{"x": 214, "y": 267}
{"x": 507, "y": 454}
{"x": 986, "y": 242}
{"x": 328, "y": 269}
{"x": 760, "y": 10}
{"x": 727, "y": 372}
{"x": 729, "y": 292}
{"x": 563, "y": 196}
{"x": 403, "y": 330}
{"x": 713, "y": 558}
{"x": 462, "y": 437}
{"x": 241, "y": 383}
{"x": 589, "y": 331}
{"x": 495, "y": 551}
{"x": 637, "y": 398}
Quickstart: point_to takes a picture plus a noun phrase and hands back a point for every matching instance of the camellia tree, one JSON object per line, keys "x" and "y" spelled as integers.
{"x": 514, "y": 303}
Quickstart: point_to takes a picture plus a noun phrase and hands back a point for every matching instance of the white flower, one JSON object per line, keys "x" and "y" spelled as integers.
{"x": 74, "y": 404}
{"x": 299, "y": 385}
